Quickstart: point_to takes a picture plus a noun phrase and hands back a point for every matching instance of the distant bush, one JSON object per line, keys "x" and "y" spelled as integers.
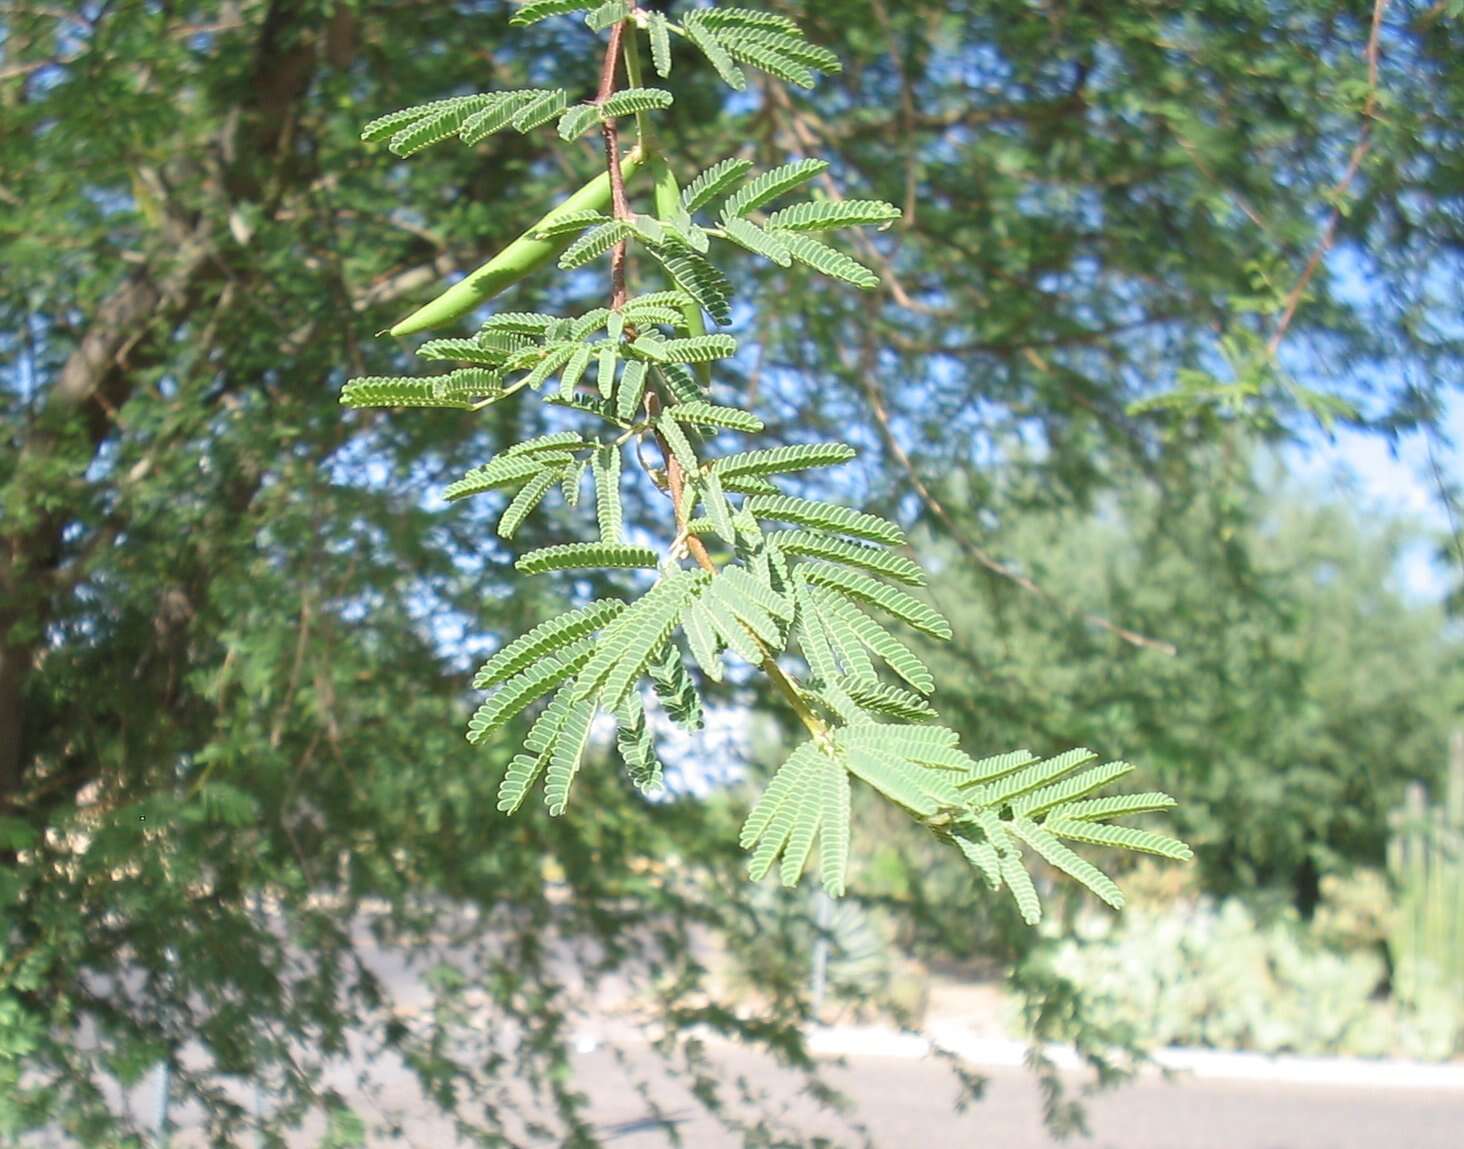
{"x": 1214, "y": 974}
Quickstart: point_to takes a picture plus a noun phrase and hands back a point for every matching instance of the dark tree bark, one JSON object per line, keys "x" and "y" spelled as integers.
{"x": 99, "y": 374}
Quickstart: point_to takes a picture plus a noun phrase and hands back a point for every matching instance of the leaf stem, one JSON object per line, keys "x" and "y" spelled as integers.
{"x": 610, "y": 133}
{"x": 644, "y": 137}
{"x": 667, "y": 200}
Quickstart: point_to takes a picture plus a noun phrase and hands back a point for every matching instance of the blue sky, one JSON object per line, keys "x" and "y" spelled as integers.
{"x": 1395, "y": 479}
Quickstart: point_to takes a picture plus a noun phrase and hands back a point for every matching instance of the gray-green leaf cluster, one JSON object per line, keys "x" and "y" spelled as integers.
{"x": 812, "y": 593}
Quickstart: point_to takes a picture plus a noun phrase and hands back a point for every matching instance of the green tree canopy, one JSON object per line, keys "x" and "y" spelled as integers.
{"x": 1307, "y": 690}
{"x": 234, "y": 645}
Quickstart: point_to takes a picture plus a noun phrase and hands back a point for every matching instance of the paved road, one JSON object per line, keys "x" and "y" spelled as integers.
{"x": 906, "y": 1103}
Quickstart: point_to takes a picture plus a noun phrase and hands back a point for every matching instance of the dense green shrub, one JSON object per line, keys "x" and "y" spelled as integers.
{"x": 1219, "y": 975}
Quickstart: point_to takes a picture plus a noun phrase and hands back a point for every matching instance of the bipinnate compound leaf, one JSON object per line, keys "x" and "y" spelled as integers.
{"x": 547, "y": 637}
{"x": 796, "y": 587}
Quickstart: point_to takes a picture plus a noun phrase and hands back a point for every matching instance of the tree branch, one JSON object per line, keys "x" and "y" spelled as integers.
{"x": 610, "y": 134}
{"x": 1354, "y": 165}
{"x": 675, "y": 476}
{"x": 969, "y": 546}
{"x": 803, "y": 138}
{"x": 95, "y": 378}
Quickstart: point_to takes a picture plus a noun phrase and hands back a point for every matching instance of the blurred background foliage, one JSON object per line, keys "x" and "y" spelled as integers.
{"x": 1151, "y": 251}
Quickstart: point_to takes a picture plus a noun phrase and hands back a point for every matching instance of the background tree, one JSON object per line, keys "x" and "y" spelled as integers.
{"x": 233, "y": 654}
{"x": 1309, "y": 690}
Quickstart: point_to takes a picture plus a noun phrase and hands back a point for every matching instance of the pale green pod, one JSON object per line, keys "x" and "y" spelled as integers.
{"x": 516, "y": 260}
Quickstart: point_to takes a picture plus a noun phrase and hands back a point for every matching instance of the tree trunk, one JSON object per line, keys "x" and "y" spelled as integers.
{"x": 13, "y": 661}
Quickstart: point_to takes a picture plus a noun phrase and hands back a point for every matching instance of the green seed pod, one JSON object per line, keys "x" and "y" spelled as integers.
{"x": 516, "y": 260}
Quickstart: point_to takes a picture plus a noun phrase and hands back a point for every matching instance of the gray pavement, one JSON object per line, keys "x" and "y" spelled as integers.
{"x": 909, "y": 1101}
{"x": 905, "y": 1102}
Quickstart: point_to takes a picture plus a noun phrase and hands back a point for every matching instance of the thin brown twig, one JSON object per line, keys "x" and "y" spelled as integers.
{"x": 803, "y": 137}
{"x": 676, "y": 485}
{"x": 1246, "y": 207}
{"x": 620, "y": 207}
{"x": 675, "y": 476}
{"x": 1339, "y": 192}
{"x": 675, "y": 480}
{"x": 867, "y": 379}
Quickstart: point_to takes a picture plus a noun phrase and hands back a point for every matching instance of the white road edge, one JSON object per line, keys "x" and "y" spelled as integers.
{"x": 994, "y": 1052}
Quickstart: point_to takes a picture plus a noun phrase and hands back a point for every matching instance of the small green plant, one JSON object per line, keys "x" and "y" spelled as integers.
{"x": 1221, "y": 975}
{"x": 1426, "y": 863}
{"x": 788, "y": 585}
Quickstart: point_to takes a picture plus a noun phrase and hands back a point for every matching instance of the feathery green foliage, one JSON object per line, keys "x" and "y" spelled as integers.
{"x": 779, "y": 460}
{"x": 544, "y": 639}
{"x": 229, "y": 606}
{"x": 770, "y": 185}
{"x": 637, "y": 746}
{"x": 715, "y": 181}
{"x": 794, "y": 591}
{"x": 380, "y": 391}
{"x": 571, "y": 556}
{"x": 676, "y": 690}
{"x": 747, "y": 234}
{"x": 471, "y": 118}
{"x": 699, "y": 278}
{"x": 594, "y": 243}
{"x": 824, "y": 215}
{"x": 629, "y": 101}
{"x": 827, "y": 260}
{"x": 536, "y": 10}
